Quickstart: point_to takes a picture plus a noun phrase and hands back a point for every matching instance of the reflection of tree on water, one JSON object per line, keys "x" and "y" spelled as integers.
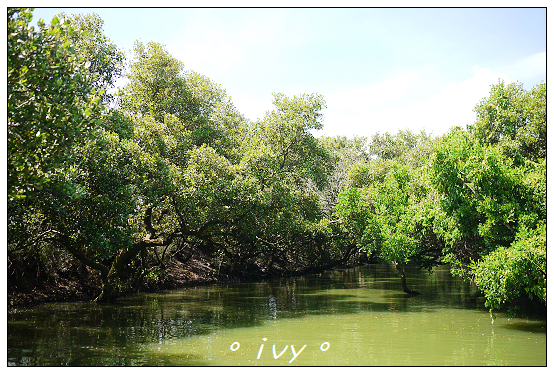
{"x": 273, "y": 306}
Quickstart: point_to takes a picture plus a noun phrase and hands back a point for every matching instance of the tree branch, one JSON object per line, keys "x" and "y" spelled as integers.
{"x": 65, "y": 240}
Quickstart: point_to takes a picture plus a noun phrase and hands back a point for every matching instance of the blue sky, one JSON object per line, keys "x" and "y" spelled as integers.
{"x": 379, "y": 69}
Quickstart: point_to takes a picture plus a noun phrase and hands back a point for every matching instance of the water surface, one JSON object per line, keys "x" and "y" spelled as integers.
{"x": 350, "y": 317}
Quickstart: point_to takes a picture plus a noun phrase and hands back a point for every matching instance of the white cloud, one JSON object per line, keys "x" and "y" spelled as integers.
{"x": 452, "y": 106}
{"x": 240, "y": 50}
{"x": 215, "y": 43}
{"x": 375, "y": 94}
{"x": 342, "y": 106}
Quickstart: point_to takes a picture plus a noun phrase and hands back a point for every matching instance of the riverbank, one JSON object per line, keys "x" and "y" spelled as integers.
{"x": 70, "y": 285}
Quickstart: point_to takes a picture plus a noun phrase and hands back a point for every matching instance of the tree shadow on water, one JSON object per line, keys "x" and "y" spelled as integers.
{"x": 534, "y": 326}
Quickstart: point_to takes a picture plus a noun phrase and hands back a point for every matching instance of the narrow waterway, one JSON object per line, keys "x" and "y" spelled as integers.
{"x": 350, "y": 317}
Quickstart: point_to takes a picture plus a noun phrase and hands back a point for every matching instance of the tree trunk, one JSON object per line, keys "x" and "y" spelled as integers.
{"x": 348, "y": 254}
{"x": 107, "y": 294}
{"x": 403, "y": 280}
{"x": 234, "y": 263}
{"x": 270, "y": 263}
{"x": 109, "y": 282}
{"x": 110, "y": 275}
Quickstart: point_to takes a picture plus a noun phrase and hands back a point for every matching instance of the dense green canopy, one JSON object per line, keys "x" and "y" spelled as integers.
{"x": 124, "y": 183}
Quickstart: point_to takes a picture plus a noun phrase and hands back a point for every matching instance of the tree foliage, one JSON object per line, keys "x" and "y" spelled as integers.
{"x": 474, "y": 198}
{"x": 492, "y": 183}
{"x": 344, "y": 153}
{"x": 174, "y": 165}
{"x": 126, "y": 183}
{"x": 388, "y": 204}
{"x": 510, "y": 273}
{"x": 105, "y": 59}
{"x": 512, "y": 114}
{"x": 51, "y": 101}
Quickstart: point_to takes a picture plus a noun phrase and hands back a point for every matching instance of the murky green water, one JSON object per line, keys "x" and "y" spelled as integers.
{"x": 345, "y": 317}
